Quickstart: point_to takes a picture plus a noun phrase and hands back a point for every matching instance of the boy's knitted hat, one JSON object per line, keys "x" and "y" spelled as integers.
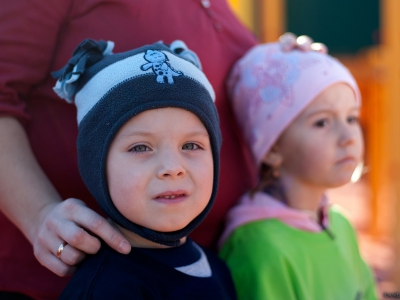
{"x": 269, "y": 88}
{"x": 109, "y": 89}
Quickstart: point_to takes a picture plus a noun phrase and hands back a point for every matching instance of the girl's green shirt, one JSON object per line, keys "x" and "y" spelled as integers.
{"x": 270, "y": 260}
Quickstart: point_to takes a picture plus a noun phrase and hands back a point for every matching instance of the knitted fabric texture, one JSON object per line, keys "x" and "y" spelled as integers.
{"x": 269, "y": 88}
{"x": 109, "y": 89}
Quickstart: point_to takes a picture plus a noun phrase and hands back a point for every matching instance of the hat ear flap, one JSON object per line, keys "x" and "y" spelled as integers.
{"x": 180, "y": 49}
{"x": 88, "y": 53}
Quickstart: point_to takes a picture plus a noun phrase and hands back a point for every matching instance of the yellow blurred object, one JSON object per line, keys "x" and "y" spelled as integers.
{"x": 244, "y": 11}
{"x": 265, "y": 18}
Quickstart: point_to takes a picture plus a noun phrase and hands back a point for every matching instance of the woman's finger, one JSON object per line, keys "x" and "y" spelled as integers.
{"x": 75, "y": 236}
{"x": 58, "y": 266}
{"x": 69, "y": 254}
{"x": 99, "y": 226}
{"x": 73, "y": 223}
{"x": 47, "y": 256}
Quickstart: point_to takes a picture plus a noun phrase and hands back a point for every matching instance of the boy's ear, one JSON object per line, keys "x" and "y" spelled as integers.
{"x": 273, "y": 158}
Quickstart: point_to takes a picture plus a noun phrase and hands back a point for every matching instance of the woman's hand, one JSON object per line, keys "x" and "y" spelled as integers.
{"x": 73, "y": 223}
{"x": 30, "y": 201}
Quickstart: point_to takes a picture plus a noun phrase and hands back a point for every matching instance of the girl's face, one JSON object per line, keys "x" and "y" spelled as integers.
{"x": 324, "y": 144}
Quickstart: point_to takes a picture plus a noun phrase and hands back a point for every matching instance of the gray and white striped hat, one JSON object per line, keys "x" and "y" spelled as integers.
{"x": 109, "y": 89}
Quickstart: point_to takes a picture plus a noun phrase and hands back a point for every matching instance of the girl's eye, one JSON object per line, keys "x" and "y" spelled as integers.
{"x": 321, "y": 123}
{"x": 190, "y": 146}
{"x": 353, "y": 119}
{"x": 140, "y": 148}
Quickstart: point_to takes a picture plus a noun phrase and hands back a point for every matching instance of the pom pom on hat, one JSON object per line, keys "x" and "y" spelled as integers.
{"x": 86, "y": 54}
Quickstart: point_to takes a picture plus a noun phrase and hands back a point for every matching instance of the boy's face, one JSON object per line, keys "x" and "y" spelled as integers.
{"x": 324, "y": 144}
{"x": 160, "y": 169}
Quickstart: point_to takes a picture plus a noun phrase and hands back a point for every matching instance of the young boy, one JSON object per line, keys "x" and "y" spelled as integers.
{"x": 148, "y": 150}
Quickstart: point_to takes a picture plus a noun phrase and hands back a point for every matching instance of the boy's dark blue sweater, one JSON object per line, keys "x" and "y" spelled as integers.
{"x": 149, "y": 274}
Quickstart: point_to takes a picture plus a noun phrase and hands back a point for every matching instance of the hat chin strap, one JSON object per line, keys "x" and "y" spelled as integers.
{"x": 171, "y": 239}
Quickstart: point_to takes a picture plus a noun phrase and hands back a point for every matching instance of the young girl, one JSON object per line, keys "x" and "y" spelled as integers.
{"x": 299, "y": 113}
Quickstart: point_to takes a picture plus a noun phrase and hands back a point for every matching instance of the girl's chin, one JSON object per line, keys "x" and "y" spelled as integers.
{"x": 340, "y": 182}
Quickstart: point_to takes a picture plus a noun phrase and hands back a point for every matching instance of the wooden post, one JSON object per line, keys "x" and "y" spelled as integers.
{"x": 391, "y": 118}
{"x": 272, "y": 19}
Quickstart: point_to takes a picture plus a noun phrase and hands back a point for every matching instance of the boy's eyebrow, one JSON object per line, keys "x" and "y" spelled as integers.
{"x": 137, "y": 132}
{"x": 197, "y": 132}
{"x": 143, "y": 133}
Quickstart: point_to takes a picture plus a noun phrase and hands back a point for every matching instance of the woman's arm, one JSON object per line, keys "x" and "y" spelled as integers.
{"x": 30, "y": 201}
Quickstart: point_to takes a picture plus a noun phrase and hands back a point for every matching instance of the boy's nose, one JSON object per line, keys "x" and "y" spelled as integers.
{"x": 171, "y": 167}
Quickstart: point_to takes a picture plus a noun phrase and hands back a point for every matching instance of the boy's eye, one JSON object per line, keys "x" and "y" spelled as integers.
{"x": 321, "y": 123}
{"x": 190, "y": 146}
{"x": 140, "y": 148}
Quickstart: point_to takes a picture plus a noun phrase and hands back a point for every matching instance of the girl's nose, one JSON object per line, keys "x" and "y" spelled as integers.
{"x": 348, "y": 134}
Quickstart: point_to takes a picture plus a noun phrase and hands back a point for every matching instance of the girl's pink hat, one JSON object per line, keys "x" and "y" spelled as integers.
{"x": 269, "y": 88}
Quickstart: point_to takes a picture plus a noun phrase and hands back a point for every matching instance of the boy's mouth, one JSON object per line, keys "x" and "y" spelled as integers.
{"x": 171, "y": 195}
